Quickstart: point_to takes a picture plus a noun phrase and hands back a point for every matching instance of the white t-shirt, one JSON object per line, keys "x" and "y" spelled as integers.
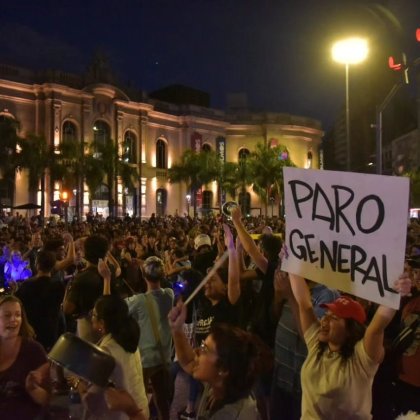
{"x": 127, "y": 374}
{"x": 333, "y": 389}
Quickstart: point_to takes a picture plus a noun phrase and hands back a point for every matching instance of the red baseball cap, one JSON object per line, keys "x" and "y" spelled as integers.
{"x": 346, "y": 307}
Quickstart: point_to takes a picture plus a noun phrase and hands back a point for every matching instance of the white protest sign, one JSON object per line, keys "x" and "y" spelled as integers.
{"x": 347, "y": 230}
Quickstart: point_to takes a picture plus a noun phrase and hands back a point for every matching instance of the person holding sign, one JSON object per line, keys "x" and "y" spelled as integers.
{"x": 343, "y": 355}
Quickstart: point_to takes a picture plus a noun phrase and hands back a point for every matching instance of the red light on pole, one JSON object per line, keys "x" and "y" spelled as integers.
{"x": 418, "y": 34}
{"x": 393, "y": 65}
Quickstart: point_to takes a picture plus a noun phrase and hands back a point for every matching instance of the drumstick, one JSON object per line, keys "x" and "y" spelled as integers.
{"x": 210, "y": 274}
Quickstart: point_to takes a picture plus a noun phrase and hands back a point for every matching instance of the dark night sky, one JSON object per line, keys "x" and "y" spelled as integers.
{"x": 277, "y": 52}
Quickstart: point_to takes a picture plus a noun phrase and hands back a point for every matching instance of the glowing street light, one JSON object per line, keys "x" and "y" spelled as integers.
{"x": 65, "y": 199}
{"x": 188, "y": 199}
{"x": 349, "y": 51}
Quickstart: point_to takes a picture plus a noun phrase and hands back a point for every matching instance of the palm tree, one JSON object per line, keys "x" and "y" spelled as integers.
{"x": 94, "y": 175}
{"x": 71, "y": 158}
{"x": 38, "y": 157}
{"x": 195, "y": 169}
{"x": 266, "y": 167}
{"x": 414, "y": 187}
{"x": 9, "y": 140}
{"x": 228, "y": 179}
{"x": 112, "y": 167}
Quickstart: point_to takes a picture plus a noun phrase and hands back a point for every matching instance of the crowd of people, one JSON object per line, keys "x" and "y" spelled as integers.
{"x": 253, "y": 343}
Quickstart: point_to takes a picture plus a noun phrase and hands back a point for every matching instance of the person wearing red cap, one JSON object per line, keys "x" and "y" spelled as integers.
{"x": 343, "y": 354}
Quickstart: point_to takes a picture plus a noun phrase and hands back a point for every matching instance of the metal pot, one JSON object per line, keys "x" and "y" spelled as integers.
{"x": 82, "y": 358}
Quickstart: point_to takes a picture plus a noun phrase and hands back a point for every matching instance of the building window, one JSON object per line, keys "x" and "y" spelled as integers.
{"x": 243, "y": 154}
{"x": 129, "y": 147}
{"x": 161, "y": 162}
{"x": 207, "y": 200}
{"x": 161, "y": 200}
{"x": 6, "y": 192}
{"x": 69, "y": 133}
{"x": 102, "y": 193}
{"x": 206, "y": 147}
{"x": 101, "y": 132}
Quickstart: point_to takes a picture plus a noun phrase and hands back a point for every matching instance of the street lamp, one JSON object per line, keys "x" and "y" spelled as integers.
{"x": 65, "y": 199}
{"x": 349, "y": 51}
{"x": 188, "y": 198}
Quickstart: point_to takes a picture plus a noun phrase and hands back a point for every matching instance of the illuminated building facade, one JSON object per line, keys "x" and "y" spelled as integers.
{"x": 150, "y": 134}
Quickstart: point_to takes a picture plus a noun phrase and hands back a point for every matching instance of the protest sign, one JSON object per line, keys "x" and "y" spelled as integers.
{"x": 347, "y": 230}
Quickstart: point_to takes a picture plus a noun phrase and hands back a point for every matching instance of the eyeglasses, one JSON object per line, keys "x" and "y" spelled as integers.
{"x": 203, "y": 349}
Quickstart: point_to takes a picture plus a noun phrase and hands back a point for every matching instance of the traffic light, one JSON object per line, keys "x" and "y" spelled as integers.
{"x": 400, "y": 65}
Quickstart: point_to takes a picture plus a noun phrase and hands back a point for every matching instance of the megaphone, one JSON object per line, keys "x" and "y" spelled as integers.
{"x": 228, "y": 207}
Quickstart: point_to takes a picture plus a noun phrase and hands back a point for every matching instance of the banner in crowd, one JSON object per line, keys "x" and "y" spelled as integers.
{"x": 347, "y": 230}
{"x": 221, "y": 151}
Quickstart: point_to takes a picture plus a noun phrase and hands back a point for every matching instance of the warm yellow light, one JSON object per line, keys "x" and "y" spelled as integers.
{"x": 64, "y": 195}
{"x": 350, "y": 51}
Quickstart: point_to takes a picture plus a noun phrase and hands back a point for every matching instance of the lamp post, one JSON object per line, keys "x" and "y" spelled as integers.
{"x": 65, "y": 199}
{"x": 188, "y": 199}
{"x": 349, "y": 51}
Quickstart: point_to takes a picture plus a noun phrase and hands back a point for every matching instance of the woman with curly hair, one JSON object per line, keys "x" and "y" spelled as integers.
{"x": 228, "y": 361}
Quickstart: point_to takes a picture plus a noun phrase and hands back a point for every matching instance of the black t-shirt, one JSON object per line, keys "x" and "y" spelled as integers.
{"x": 85, "y": 289}
{"x": 41, "y": 298}
{"x": 208, "y": 314}
{"x": 263, "y": 322}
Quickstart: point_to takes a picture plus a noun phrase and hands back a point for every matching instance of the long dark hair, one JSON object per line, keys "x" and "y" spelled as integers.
{"x": 124, "y": 329}
{"x": 355, "y": 332}
{"x": 243, "y": 356}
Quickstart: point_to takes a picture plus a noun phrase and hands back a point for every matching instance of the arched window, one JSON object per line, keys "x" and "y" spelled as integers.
{"x": 243, "y": 154}
{"x": 161, "y": 161}
{"x": 129, "y": 147}
{"x": 101, "y": 193}
{"x": 207, "y": 200}
{"x": 9, "y": 142}
{"x": 161, "y": 201}
{"x": 69, "y": 133}
{"x": 101, "y": 132}
{"x": 206, "y": 147}
{"x": 6, "y": 192}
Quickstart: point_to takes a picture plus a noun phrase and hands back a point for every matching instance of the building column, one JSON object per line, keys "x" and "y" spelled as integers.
{"x": 141, "y": 158}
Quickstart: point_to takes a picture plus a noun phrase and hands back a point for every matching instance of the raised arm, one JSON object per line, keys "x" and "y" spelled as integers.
{"x": 303, "y": 299}
{"x": 234, "y": 285}
{"x": 184, "y": 351}
{"x": 69, "y": 258}
{"x": 105, "y": 273}
{"x": 374, "y": 335}
{"x": 113, "y": 261}
{"x": 247, "y": 242}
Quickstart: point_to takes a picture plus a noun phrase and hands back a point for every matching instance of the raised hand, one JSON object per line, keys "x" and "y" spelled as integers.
{"x": 229, "y": 242}
{"x": 403, "y": 285}
{"x": 103, "y": 269}
{"x": 177, "y": 316}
